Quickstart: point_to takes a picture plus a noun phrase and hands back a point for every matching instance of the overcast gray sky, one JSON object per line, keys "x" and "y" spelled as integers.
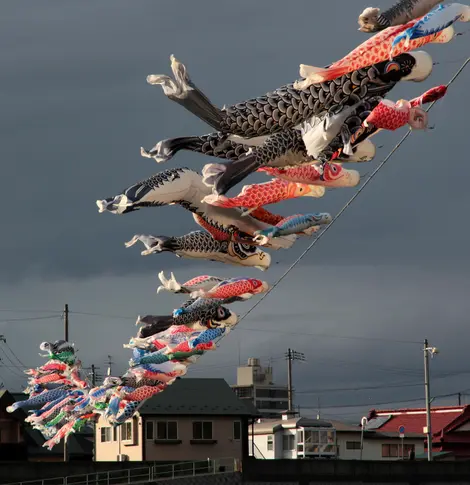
{"x": 75, "y": 111}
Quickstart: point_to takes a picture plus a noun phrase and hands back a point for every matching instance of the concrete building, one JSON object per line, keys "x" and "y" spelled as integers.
{"x": 305, "y": 438}
{"x": 255, "y": 384}
{"x": 194, "y": 419}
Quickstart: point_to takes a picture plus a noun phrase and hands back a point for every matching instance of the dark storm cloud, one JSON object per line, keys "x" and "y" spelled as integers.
{"x": 75, "y": 111}
{"x": 76, "y": 108}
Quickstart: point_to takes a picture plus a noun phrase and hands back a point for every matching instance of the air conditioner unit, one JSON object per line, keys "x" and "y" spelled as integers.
{"x": 123, "y": 458}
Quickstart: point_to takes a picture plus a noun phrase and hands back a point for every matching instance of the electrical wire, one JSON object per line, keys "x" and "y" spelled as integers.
{"x": 14, "y": 355}
{"x": 11, "y": 368}
{"x": 17, "y": 310}
{"x": 326, "y": 335}
{"x": 348, "y": 405}
{"x": 101, "y": 315}
{"x": 25, "y": 319}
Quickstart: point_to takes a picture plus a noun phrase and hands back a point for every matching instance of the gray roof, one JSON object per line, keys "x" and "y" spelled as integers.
{"x": 198, "y": 397}
{"x": 377, "y": 422}
{"x": 345, "y": 427}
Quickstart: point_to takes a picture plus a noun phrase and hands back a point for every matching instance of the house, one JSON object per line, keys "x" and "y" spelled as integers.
{"x": 450, "y": 426}
{"x": 292, "y": 438}
{"x": 193, "y": 419}
{"x": 255, "y": 385}
{"x": 377, "y": 445}
{"x": 19, "y": 441}
{"x": 306, "y": 438}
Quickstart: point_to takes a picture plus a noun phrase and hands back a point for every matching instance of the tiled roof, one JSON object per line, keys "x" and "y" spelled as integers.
{"x": 413, "y": 420}
{"x": 198, "y": 397}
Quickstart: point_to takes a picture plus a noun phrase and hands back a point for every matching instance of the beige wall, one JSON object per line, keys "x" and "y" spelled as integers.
{"x": 109, "y": 450}
{"x": 222, "y": 431}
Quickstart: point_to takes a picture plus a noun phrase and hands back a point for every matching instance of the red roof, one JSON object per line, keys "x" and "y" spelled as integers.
{"x": 414, "y": 420}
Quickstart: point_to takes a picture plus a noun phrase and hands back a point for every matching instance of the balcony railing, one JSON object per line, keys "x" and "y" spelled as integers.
{"x": 147, "y": 474}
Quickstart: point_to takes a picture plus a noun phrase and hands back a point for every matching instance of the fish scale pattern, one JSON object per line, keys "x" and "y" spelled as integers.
{"x": 287, "y": 107}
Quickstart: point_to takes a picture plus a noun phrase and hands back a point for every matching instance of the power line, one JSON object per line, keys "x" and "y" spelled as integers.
{"x": 11, "y": 368}
{"x": 268, "y": 330}
{"x": 379, "y": 387}
{"x": 439, "y": 396}
{"x": 311, "y": 334}
{"x": 104, "y": 315}
{"x": 18, "y": 310}
{"x": 13, "y": 353}
{"x": 26, "y": 319}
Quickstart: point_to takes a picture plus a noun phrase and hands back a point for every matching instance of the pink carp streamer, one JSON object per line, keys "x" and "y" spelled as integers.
{"x": 258, "y": 195}
{"x": 326, "y": 175}
{"x": 376, "y": 49}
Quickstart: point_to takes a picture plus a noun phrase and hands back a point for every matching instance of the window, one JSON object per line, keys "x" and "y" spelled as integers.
{"x": 126, "y": 431}
{"x": 244, "y": 392}
{"x": 395, "y": 451}
{"x": 237, "y": 430}
{"x": 280, "y": 405}
{"x": 390, "y": 451}
{"x": 115, "y": 432}
{"x": 272, "y": 393}
{"x": 167, "y": 430}
{"x": 149, "y": 430}
{"x": 270, "y": 443}
{"x": 318, "y": 441}
{"x": 202, "y": 430}
{"x": 105, "y": 434}
{"x": 353, "y": 445}
{"x": 288, "y": 442}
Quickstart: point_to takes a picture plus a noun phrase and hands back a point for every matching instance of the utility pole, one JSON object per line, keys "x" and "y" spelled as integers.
{"x": 66, "y": 335}
{"x": 433, "y": 351}
{"x": 94, "y": 375}
{"x": 460, "y": 401}
{"x": 291, "y": 355}
{"x": 66, "y": 322}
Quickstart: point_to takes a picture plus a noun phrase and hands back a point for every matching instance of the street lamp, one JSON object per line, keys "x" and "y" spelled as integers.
{"x": 363, "y": 424}
{"x": 433, "y": 351}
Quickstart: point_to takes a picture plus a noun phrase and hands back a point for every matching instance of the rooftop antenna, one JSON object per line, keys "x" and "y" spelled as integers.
{"x": 110, "y": 363}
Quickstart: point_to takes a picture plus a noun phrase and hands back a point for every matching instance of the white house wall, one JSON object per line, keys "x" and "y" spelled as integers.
{"x": 288, "y": 454}
{"x": 372, "y": 448}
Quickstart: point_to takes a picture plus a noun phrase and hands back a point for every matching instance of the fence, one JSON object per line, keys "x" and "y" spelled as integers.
{"x": 147, "y": 474}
